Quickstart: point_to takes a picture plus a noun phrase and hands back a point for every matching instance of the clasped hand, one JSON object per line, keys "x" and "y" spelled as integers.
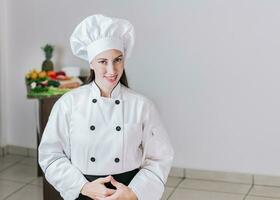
{"x": 98, "y": 191}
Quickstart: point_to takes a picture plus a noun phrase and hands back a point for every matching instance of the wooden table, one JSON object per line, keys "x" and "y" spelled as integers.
{"x": 45, "y": 107}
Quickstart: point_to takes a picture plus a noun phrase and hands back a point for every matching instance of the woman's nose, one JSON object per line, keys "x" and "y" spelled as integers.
{"x": 110, "y": 68}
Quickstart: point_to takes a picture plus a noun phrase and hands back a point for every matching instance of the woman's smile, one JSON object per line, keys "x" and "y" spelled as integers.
{"x": 111, "y": 78}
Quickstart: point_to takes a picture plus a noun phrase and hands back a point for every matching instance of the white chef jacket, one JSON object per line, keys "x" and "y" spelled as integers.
{"x": 88, "y": 134}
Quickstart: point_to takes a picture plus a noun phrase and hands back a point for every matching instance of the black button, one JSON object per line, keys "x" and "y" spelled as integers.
{"x": 118, "y": 128}
{"x": 92, "y": 128}
{"x": 92, "y": 159}
{"x": 94, "y": 100}
{"x": 117, "y": 160}
{"x": 117, "y": 102}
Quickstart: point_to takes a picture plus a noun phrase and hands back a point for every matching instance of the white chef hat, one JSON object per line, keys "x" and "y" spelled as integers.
{"x": 98, "y": 33}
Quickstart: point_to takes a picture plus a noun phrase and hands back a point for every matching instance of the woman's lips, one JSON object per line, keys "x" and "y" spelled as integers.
{"x": 111, "y": 79}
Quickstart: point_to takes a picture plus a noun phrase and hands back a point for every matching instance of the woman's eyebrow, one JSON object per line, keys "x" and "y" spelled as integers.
{"x": 107, "y": 59}
{"x": 118, "y": 56}
{"x": 101, "y": 58}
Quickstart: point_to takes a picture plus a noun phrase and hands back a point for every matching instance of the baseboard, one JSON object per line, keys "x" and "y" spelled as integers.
{"x": 267, "y": 180}
{"x": 3, "y": 151}
{"x": 17, "y": 150}
{"x": 232, "y": 177}
{"x": 177, "y": 172}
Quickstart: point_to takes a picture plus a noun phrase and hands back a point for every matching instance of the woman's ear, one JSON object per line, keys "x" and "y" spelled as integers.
{"x": 91, "y": 66}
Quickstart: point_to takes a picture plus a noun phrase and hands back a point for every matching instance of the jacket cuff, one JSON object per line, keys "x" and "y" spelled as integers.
{"x": 137, "y": 193}
{"x": 74, "y": 194}
{"x": 146, "y": 186}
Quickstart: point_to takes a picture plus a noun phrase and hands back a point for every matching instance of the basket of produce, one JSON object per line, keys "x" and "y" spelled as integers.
{"x": 49, "y": 83}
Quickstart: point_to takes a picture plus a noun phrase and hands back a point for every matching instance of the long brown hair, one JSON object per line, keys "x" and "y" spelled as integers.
{"x": 123, "y": 78}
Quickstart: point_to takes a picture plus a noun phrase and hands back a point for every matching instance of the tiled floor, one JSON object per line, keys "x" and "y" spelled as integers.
{"x": 18, "y": 181}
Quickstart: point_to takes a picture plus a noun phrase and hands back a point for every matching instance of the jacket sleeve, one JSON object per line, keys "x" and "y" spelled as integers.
{"x": 54, "y": 153}
{"x": 157, "y": 158}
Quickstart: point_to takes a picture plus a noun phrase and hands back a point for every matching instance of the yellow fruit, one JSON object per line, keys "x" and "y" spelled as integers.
{"x": 42, "y": 74}
{"x": 34, "y": 75}
{"x": 27, "y": 75}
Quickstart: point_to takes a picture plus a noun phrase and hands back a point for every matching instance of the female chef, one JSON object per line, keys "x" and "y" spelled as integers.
{"x": 104, "y": 140}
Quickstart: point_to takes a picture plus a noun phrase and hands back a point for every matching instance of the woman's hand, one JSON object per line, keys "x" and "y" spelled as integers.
{"x": 122, "y": 193}
{"x": 96, "y": 189}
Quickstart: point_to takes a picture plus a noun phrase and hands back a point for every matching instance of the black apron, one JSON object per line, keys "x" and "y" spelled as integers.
{"x": 123, "y": 178}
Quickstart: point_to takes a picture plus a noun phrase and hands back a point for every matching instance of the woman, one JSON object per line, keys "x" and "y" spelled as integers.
{"x": 103, "y": 140}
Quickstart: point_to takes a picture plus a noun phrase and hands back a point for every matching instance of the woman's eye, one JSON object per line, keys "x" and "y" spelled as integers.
{"x": 118, "y": 60}
{"x": 102, "y": 62}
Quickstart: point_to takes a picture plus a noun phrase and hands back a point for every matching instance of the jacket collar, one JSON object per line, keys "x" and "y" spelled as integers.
{"x": 114, "y": 94}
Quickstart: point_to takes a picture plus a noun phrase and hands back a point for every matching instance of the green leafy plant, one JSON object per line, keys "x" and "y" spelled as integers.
{"x": 47, "y": 65}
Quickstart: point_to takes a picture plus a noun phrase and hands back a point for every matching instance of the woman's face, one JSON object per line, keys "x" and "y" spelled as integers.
{"x": 108, "y": 68}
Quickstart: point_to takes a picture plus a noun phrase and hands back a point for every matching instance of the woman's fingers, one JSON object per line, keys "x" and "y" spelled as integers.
{"x": 105, "y": 179}
{"x": 109, "y": 192}
{"x": 117, "y": 184}
{"x": 110, "y": 197}
{"x": 98, "y": 190}
{"x": 104, "y": 194}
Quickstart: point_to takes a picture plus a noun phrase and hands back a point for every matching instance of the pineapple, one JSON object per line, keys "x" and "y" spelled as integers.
{"x": 47, "y": 65}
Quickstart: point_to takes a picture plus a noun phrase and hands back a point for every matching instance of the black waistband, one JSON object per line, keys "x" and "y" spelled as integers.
{"x": 123, "y": 178}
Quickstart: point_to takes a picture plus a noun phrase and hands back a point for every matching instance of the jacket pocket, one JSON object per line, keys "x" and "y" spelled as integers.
{"x": 133, "y": 135}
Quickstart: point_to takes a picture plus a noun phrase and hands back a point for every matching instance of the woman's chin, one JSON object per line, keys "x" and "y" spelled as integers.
{"x": 111, "y": 83}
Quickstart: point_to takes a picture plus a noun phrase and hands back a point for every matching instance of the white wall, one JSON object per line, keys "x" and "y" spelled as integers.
{"x": 211, "y": 66}
{"x": 2, "y": 71}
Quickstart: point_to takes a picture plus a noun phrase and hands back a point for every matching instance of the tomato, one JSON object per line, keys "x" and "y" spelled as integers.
{"x": 52, "y": 74}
